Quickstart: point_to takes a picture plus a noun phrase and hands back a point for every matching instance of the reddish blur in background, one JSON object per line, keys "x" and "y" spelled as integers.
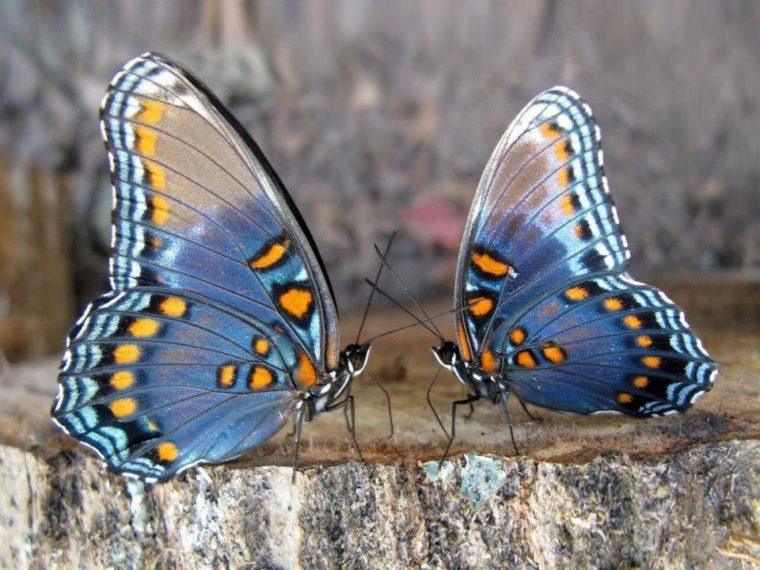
{"x": 380, "y": 116}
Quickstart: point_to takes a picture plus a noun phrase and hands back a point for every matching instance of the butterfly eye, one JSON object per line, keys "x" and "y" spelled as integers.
{"x": 446, "y": 354}
{"x": 356, "y": 357}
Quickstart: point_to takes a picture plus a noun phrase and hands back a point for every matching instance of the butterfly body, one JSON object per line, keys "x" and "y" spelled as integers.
{"x": 548, "y": 310}
{"x": 334, "y": 385}
{"x": 485, "y": 386}
{"x": 221, "y": 324}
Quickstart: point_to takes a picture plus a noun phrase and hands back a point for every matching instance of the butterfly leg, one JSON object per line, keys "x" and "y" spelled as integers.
{"x": 430, "y": 402}
{"x": 347, "y": 404}
{"x": 503, "y": 397}
{"x": 297, "y": 425}
{"x": 344, "y": 404}
{"x": 387, "y": 401}
{"x": 292, "y": 433}
{"x": 469, "y": 414}
{"x": 527, "y": 411}
{"x": 454, "y": 406}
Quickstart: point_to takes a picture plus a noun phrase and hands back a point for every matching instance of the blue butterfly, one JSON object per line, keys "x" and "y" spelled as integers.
{"x": 221, "y": 324}
{"x": 549, "y": 312}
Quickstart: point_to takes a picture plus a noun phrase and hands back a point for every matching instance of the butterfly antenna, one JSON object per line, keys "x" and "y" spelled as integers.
{"x": 408, "y": 292}
{"x": 417, "y": 320}
{"x": 377, "y": 280}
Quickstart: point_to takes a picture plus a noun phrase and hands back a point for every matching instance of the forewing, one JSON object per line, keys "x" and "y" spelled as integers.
{"x": 542, "y": 215}
{"x": 198, "y": 208}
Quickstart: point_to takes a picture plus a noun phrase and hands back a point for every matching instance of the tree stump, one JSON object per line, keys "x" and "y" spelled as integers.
{"x": 601, "y": 491}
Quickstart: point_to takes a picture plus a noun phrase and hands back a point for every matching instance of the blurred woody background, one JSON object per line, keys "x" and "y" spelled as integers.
{"x": 380, "y": 116}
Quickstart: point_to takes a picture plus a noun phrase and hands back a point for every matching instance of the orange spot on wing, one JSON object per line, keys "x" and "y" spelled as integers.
{"x": 517, "y": 336}
{"x": 488, "y": 361}
{"x": 464, "y": 343}
{"x": 553, "y": 353}
{"x": 227, "y": 375}
{"x": 126, "y": 353}
{"x": 271, "y": 256}
{"x": 549, "y": 130}
{"x": 156, "y": 175}
{"x": 152, "y": 111}
{"x": 612, "y": 304}
{"x": 173, "y": 307}
{"x": 305, "y": 373}
{"x": 122, "y": 379}
{"x": 563, "y": 177}
{"x": 167, "y": 451}
{"x": 260, "y": 378}
{"x": 296, "y": 301}
{"x": 561, "y": 150}
{"x": 489, "y": 265}
{"x": 644, "y": 341}
{"x": 480, "y": 306}
{"x": 159, "y": 210}
{"x": 525, "y": 359}
{"x": 331, "y": 362}
{"x": 123, "y": 407}
{"x": 632, "y": 322}
{"x": 641, "y": 382}
{"x": 652, "y": 361}
{"x": 146, "y": 141}
{"x": 624, "y": 398}
{"x": 261, "y": 346}
{"x": 143, "y": 327}
{"x": 576, "y": 293}
{"x": 567, "y": 205}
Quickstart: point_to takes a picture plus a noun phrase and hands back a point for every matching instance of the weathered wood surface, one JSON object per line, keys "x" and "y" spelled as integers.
{"x": 602, "y": 491}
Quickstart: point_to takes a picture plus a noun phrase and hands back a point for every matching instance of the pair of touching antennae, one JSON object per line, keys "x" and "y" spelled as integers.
{"x": 428, "y": 322}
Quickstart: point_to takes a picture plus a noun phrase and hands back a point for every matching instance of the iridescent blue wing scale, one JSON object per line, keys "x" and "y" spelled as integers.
{"x": 606, "y": 343}
{"x": 195, "y": 199}
{"x": 542, "y": 270}
{"x": 220, "y": 308}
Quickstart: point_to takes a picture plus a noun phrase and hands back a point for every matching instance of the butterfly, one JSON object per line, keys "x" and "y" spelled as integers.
{"x": 221, "y": 323}
{"x": 548, "y": 310}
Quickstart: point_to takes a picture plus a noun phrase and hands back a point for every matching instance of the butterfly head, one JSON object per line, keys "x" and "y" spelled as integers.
{"x": 356, "y": 356}
{"x": 447, "y": 354}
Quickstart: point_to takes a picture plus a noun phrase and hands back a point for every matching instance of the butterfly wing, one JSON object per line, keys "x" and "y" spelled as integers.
{"x": 156, "y": 380}
{"x": 542, "y": 243}
{"x": 220, "y": 306}
{"x": 606, "y": 343}
{"x": 196, "y": 200}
